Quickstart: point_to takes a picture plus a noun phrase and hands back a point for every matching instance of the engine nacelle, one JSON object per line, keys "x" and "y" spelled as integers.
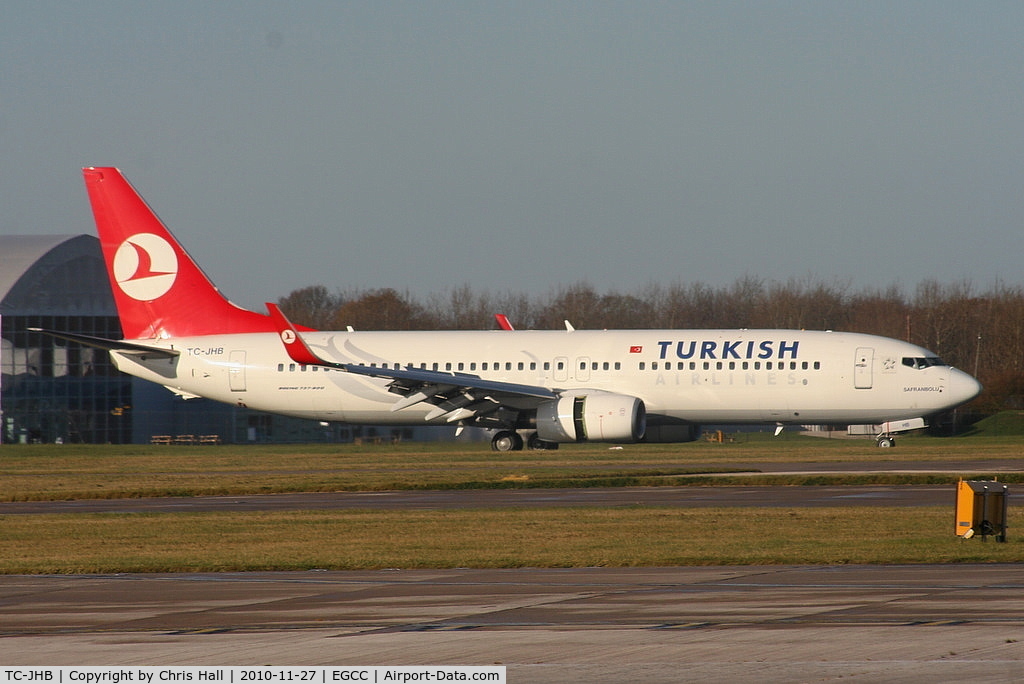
{"x": 597, "y": 417}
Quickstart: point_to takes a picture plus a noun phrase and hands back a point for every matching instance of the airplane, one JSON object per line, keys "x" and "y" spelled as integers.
{"x": 531, "y": 388}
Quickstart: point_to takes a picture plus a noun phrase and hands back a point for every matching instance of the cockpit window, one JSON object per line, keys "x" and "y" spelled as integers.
{"x": 922, "y": 362}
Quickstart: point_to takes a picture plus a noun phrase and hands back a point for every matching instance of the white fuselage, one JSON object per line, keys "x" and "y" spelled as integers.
{"x": 696, "y": 376}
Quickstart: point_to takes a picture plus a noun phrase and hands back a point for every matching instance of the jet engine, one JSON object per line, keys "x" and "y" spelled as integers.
{"x": 597, "y": 417}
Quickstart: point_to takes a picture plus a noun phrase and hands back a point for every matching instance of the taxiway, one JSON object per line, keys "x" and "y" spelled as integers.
{"x": 740, "y": 624}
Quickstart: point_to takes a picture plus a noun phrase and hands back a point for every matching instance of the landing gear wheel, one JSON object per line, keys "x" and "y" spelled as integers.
{"x": 885, "y": 442}
{"x": 506, "y": 440}
{"x": 537, "y": 444}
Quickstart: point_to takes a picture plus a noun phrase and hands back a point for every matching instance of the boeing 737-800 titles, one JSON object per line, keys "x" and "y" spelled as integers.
{"x": 540, "y": 388}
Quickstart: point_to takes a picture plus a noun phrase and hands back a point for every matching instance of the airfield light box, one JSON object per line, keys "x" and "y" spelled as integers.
{"x": 981, "y": 509}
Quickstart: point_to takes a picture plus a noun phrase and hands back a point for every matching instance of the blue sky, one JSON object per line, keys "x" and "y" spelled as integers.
{"x": 524, "y": 146}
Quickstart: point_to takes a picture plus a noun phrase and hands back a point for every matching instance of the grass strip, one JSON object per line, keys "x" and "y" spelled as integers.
{"x": 578, "y": 537}
{"x": 50, "y": 472}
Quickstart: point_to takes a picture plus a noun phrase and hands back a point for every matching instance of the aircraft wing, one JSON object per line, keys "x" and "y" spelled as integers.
{"x": 113, "y": 345}
{"x": 457, "y": 396}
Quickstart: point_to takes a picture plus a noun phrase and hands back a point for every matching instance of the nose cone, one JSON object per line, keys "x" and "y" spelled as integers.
{"x": 962, "y": 388}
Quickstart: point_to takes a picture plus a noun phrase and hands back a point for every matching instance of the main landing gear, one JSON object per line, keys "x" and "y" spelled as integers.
{"x": 506, "y": 440}
{"x": 510, "y": 440}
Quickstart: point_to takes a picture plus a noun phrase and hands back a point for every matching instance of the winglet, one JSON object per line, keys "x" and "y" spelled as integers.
{"x": 297, "y": 349}
{"x": 503, "y": 322}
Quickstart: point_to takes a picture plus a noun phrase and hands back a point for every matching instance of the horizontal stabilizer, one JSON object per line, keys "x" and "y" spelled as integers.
{"x": 112, "y": 345}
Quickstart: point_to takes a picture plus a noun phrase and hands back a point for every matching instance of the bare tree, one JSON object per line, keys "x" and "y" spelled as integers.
{"x": 311, "y": 306}
{"x": 578, "y": 303}
{"x": 881, "y": 312}
{"x": 383, "y": 309}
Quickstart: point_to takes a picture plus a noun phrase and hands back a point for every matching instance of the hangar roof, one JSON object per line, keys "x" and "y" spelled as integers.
{"x": 53, "y": 275}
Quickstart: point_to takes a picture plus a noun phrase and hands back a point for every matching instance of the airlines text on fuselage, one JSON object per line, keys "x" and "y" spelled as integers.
{"x": 740, "y": 349}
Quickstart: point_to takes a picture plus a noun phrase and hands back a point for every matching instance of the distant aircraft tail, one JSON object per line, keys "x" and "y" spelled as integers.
{"x": 159, "y": 290}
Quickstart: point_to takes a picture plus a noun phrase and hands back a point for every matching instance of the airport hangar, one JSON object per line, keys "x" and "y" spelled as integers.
{"x": 52, "y": 391}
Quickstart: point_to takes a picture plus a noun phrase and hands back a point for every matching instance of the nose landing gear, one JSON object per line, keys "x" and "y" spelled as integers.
{"x": 885, "y": 441}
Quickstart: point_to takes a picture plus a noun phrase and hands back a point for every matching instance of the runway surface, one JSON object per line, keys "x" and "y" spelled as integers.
{"x": 688, "y": 497}
{"x": 739, "y": 624}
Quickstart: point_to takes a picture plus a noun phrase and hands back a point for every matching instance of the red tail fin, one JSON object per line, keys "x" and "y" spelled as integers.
{"x": 158, "y": 289}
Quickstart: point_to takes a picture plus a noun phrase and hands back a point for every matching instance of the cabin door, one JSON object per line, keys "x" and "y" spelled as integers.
{"x": 236, "y": 371}
{"x": 862, "y": 365}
